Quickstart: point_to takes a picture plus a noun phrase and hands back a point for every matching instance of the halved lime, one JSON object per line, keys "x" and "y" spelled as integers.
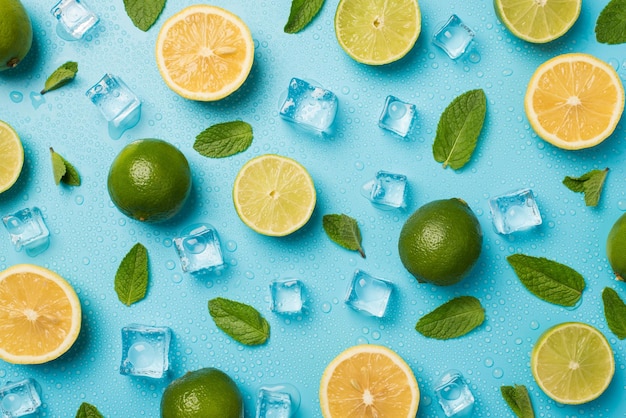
{"x": 12, "y": 154}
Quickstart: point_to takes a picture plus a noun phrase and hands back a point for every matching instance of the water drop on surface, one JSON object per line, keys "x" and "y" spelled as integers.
{"x": 622, "y": 205}
{"x": 36, "y": 99}
{"x": 326, "y": 307}
{"x": 498, "y": 373}
{"x": 16, "y": 96}
{"x": 169, "y": 264}
{"x": 534, "y": 325}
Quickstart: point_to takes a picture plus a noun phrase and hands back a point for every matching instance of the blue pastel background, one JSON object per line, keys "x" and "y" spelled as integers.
{"x": 90, "y": 236}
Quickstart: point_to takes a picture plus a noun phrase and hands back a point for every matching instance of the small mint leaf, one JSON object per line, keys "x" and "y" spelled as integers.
{"x": 144, "y": 13}
{"x": 240, "y": 321}
{"x": 131, "y": 279}
{"x": 63, "y": 171}
{"x": 343, "y": 230}
{"x": 614, "y": 312}
{"x": 301, "y": 14}
{"x": 224, "y": 139}
{"x": 87, "y": 410}
{"x": 591, "y": 184}
{"x": 61, "y": 76}
{"x": 611, "y": 24}
{"x": 453, "y": 319}
{"x": 518, "y": 400}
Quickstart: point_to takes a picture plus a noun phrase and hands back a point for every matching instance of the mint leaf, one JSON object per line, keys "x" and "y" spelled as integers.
{"x": 614, "y": 312}
{"x": 590, "y": 184}
{"x": 224, "y": 139}
{"x": 548, "y": 280}
{"x": 518, "y": 400}
{"x": 301, "y": 14}
{"x": 63, "y": 171}
{"x": 343, "y": 230}
{"x": 453, "y": 319}
{"x": 611, "y": 24}
{"x": 144, "y": 13}
{"x": 61, "y": 76}
{"x": 459, "y": 128}
{"x": 131, "y": 279}
{"x": 87, "y": 410}
{"x": 242, "y": 322}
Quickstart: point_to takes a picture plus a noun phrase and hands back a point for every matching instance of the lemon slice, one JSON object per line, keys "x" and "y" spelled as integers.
{"x": 572, "y": 363}
{"x": 40, "y": 315}
{"x": 369, "y": 381}
{"x": 12, "y": 154}
{"x": 377, "y": 32}
{"x": 574, "y": 101}
{"x": 274, "y": 195}
{"x": 204, "y": 52}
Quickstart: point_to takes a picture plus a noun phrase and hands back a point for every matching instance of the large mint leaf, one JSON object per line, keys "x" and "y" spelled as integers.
{"x": 131, "y": 279}
{"x": 518, "y": 400}
{"x": 611, "y": 24}
{"x": 224, "y": 139}
{"x": 301, "y": 14}
{"x": 614, "y": 312}
{"x": 144, "y": 13}
{"x": 343, "y": 230}
{"x": 61, "y": 76}
{"x": 590, "y": 183}
{"x": 453, "y": 319}
{"x": 87, "y": 410}
{"x": 63, "y": 170}
{"x": 242, "y": 322}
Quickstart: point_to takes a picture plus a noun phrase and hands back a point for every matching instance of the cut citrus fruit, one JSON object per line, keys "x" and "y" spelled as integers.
{"x": 368, "y": 381}
{"x": 572, "y": 363}
{"x": 40, "y": 315}
{"x": 204, "y": 52}
{"x": 538, "y": 21}
{"x": 377, "y": 32}
{"x": 12, "y": 156}
{"x": 274, "y": 195}
{"x": 574, "y": 101}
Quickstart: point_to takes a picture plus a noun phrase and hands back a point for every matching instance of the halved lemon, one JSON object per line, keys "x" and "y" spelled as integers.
{"x": 572, "y": 363}
{"x": 274, "y": 195}
{"x": 40, "y": 315}
{"x": 369, "y": 381}
{"x": 12, "y": 158}
{"x": 204, "y": 52}
{"x": 574, "y": 101}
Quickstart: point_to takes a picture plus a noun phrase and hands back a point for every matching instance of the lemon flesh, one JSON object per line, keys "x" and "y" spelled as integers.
{"x": 12, "y": 154}
{"x": 16, "y": 33}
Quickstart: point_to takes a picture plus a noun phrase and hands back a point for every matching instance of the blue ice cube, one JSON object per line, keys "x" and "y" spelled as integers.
{"x": 287, "y": 296}
{"x": 74, "y": 19}
{"x": 454, "y": 37}
{"x": 20, "y": 399}
{"x": 368, "y": 294}
{"x": 145, "y": 351}
{"x": 199, "y": 249}
{"x": 308, "y": 106}
{"x": 454, "y": 395}
{"x": 397, "y": 116}
{"x": 28, "y": 230}
{"x": 387, "y": 190}
{"x": 117, "y": 103}
{"x": 273, "y": 404}
{"x": 515, "y": 211}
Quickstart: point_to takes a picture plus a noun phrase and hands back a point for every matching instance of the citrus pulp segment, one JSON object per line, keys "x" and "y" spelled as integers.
{"x": 274, "y": 195}
{"x": 40, "y": 315}
{"x": 12, "y": 154}
{"x": 368, "y": 381}
{"x": 204, "y": 52}
{"x": 572, "y": 363}
{"x": 377, "y": 32}
{"x": 574, "y": 101}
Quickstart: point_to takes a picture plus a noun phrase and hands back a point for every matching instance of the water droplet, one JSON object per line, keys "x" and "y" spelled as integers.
{"x": 345, "y": 90}
{"x": 16, "y": 96}
{"x": 488, "y": 362}
{"x": 474, "y": 57}
{"x": 622, "y": 205}
{"x": 170, "y": 264}
{"x": 37, "y": 99}
{"x": 326, "y": 307}
{"x": 534, "y": 325}
{"x": 507, "y": 72}
{"x": 86, "y": 261}
{"x": 498, "y": 373}
{"x": 177, "y": 278}
{"x": 79, "y": 200}
{"x": 231, "y": 246}
{"x": 362, "y": 340}
{"x": 249, "y": 275}
{"x": 518, "y": 341}
{"x": 376, "y": 335}
{"x": 359, "y": 165}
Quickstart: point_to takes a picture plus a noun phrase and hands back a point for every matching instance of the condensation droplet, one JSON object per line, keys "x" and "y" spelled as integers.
{"x": 534, "y": 325}
{"x": 362, "y": 340}
{"x": 16, "y": 96}
{"x": 359, "y": 165}
{"x": 326, "y": 307}
{"x": 36, "y": 99}
{"x": 177, "y": 278}
{"x": 376, "y": 335}
{"x": 507, "y": 72}
{"x": 170, "y": 264}
{"x": 488, "y": 362}
{"x": 249, "y": 275}
{"x": 498, "y": 373}
{"x": 79, "y": 200}
{"x": 622, "y": 205}
{"x": 231, "y": 246}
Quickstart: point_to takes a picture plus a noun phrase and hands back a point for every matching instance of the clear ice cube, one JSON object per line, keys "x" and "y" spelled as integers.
{"x": 199, "y": 249}
{"x": 74, "y": 19}
{"x": 20, "y": 399}
{"x": 309, "y": 106}
{"x": 117, "y": 103}
{"x": 387, "y": 190}
{"x": 273, "y": 404}
{"x": 454, "y": 395}
{"x": 397, "y": 116}
{"x": 454, "y": 37}
{"x": 515, "y": 211}
{"x": 145, "y": 351}
{"x": 28, "y": 230}
{"x": 287, "y": 296}
{"x": 368, "y": 294}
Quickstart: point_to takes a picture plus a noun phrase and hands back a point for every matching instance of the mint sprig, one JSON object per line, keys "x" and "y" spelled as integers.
{"x": 61, "y": 76}
{"x": 548, "y": 280}
{"x": 301, "y": 14}
{"x": 131, "y": 279}
{"x": 87, "y": 410}
{"x": 459, "y": 128}
{"x": 143, "y": 13}
{"x": 614, "y": 312}
{"x": 63, "y": 170}
{"x": 240, "y": 321}
{"x": 591, "y": 184}
{"x": 453, "y": 319}
{"x": 224, "y": 139}
{"x": 518, "y": 400}
{"x": 611, "y": 24}
{"x": 343, "y": 230}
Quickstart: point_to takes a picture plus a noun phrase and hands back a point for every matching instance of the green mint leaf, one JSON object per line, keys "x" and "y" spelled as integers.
{"x": 224, "y": 139}
{"x": 611, "y": 24}
{"x": 548, "y": 280}
{"x": 614, "y": 312}
{"x": 590, "y": 184}
{"x": 144, "y": 13}
{"x": 242, "y": 322}
{"x": 459, "y": 128}
{"x": 453, "y": 319}
{"x": 301, "y": 14}
{"x": 518, "y": 400}
{"x": 63, "y": 171}
{"x": 61, "y": 76}
{"x": 87, "y": 410}
{"x": 343, "y": 230}
{"x": 131, "y": 279}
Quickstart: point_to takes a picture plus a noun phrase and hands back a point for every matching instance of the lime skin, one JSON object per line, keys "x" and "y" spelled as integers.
{"x": 616, "y": 247}
{"x": 16, "y": 33}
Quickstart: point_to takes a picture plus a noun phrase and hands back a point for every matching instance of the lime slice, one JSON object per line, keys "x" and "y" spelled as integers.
{"x": 377, "y": 32}
{"x": 538, "y": 21}
{"x": 572, "y": 363}
{"x": 12, "y": 156}
{"x": 274, "y": 195}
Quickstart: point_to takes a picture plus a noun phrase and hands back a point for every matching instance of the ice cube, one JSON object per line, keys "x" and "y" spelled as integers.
{"x": 387, "y": 190}
{"x": 28, "y": 230}
{"x": 368, "y": 294}
{"x": 309, "y": 106}
{"x": 454, "y": 395}
{"x": 273, "y": 404}
{"x": 145, "y": 351}
{"x": 199, "y": 249}
{"x": 287, "y": 296}
{"x": 397, "y": 116}
{"x": 454, "y": 37}
{"x": 74, "y": 19}
{"x": 515, "y": 211}
{"x": 20, "y": 399}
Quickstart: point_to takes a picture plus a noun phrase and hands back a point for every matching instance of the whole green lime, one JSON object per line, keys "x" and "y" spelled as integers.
{"x": 441, "y": 242}
{"x": 616, "y": 247}
{"x": 149, "y": 180}
{"x": 16, "y": 33}
{"x": 204, "y": 393}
